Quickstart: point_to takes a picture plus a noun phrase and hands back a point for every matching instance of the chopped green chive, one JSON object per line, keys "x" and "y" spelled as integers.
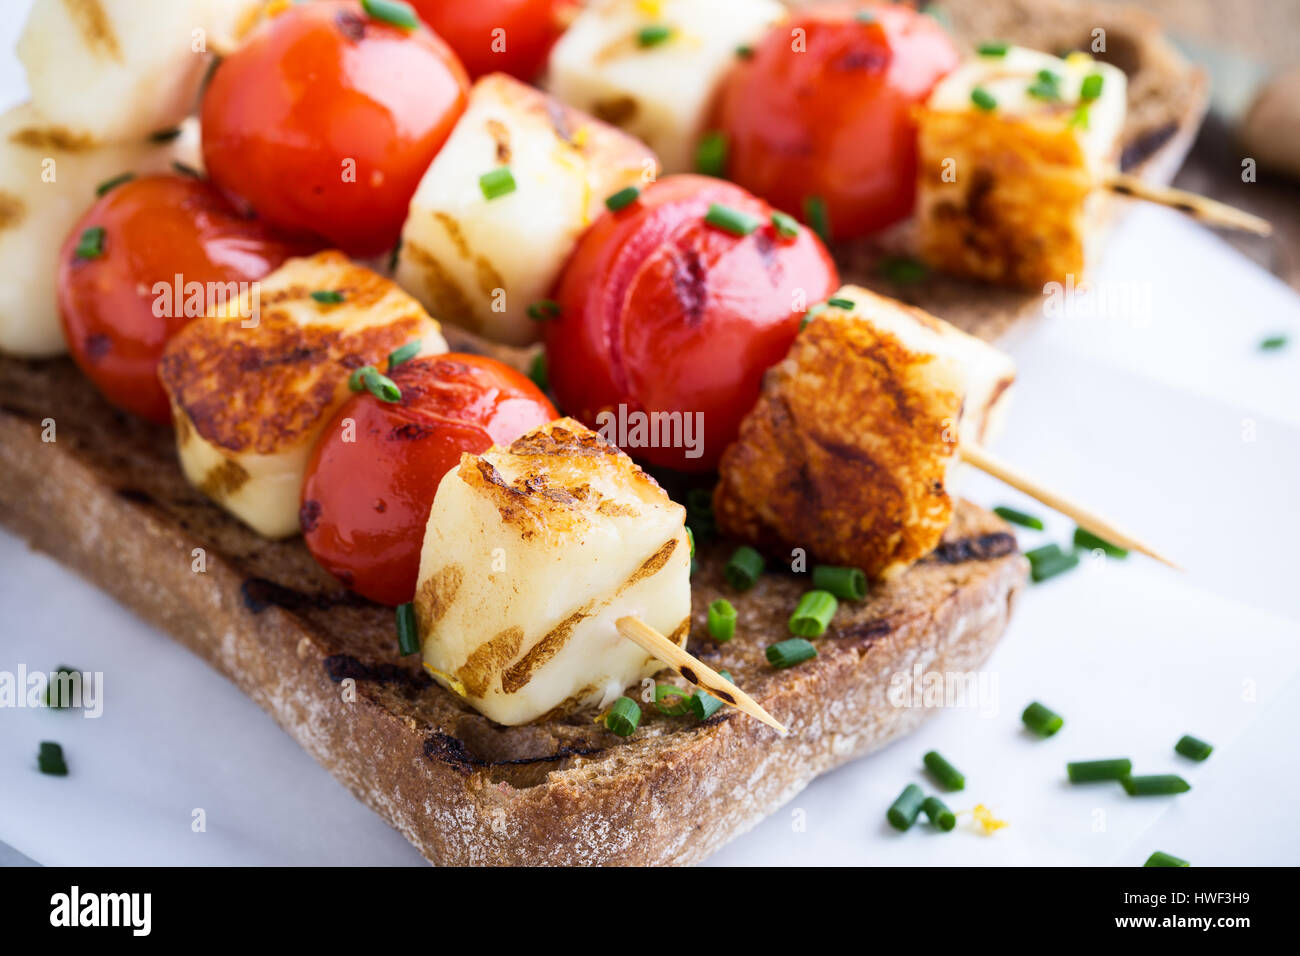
{"x": 328, "y": 296}
{"x": 538, "y": 373}
{"x": 818, "y": 217}
{"x": 165, "y": 135}
{"x": 1092, "y": 771}
{"x": 711, "y": 154}
{"x": 903, "y": 269}
{"x": 664, "y": 692}
{"x": 993, "y": 49}
{"x": 543, "y": 310}
{"x": 1091, "y": 88}
{"x": 743, "y": 569}
{"x": 1049, "y": 561}
{"x": 849, "y": 584}
{"x": 109, "y": 184}
{"x": 622, "y": 199}
{"x": 939, "y": 814}
{"x": 653, "y": 35}
{"x": 404, "y": 354}
{"x": 408, "y": 633}
{"x": 1154, "y": 785}
{"x": 1193, "y": 748}
{"x": 864, "y": 16}
{"x": 1042, "y": 721}
{"x": 1079, "y": 118}
{"x": 381, "y": 386}
{"x": 1018, "y": 517}
{"x": 902, "y": 812}
{"x": 706, "y": 705}
{"x": 1160, "y": 858}
{"x": 983, "y": 99}
{"x": 1047, "y": 86}
{"x": 186, "y": 170}
{"x": 1090, "y": 541}
{"x": 50, "y": 759}
{"x": 91, "y": 243}
{"x": 787, "y": 227}
{"x": 813, "y": 614}
{"x": 730, "y": 220}
{"x": 497, "y": 183}
{"x": 1273, "y": 342}
{"x": 392, "y": 11}
{"x": 722, "y": 620}
{"x": 690, "y": 539}
{"x": 54, "y": 698}
{"x": 745, "y": 51}
{"x": 623, "y": 717}
{"x": 949, "y": 777}
{"x": 790, "y": 652}
{"x": 845, "y": 304}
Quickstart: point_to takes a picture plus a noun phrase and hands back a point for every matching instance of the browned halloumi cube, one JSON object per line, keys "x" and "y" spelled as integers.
{"x": 847, "y": 452}
{"x": 1011, "y": 155}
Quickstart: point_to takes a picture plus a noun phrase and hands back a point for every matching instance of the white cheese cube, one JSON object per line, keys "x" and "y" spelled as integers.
{"x": 661, "y": 91}
{"x": 481, "y": 262}
{"x": 532, "y": 553}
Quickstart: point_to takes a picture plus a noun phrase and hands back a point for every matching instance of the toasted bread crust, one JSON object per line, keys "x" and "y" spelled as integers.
{"x": 107, "y": 499}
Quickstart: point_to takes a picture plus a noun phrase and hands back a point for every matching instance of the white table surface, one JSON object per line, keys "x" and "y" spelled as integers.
{"x": 1173, "y": 421}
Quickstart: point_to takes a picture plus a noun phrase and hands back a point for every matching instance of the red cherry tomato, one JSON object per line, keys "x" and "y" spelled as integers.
{"x": 835, "y": 122}
{"x": 662, "y": 312}
{"x": 121, "y": 299}
{"x": 365, "y": 503}
{"x": 325, "y": 120}
{"x": 478, "y": 29}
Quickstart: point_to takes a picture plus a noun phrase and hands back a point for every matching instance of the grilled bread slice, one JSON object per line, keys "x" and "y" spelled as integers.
{"x": 108, "y": 499}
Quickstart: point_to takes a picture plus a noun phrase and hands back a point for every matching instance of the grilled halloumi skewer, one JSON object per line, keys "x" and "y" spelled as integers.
{"x": 253, "y": 386}
{"x": 481, "y": 260}
{"x": 1015, "y": 150}
{"x": 118, "y": 70}
{"x": 652, "y": 67}
{"x": 48, "y": 178}
{"x": 531, "y": 556}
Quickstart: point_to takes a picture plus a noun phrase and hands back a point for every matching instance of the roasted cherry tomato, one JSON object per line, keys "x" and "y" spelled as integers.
{"x": 662, "y": 312}
{"x": 370, "y": 485}
{"x": 828, "y": 121}
{"x": 150, "y": 256}
{"x": 505, "y": 36}
{"x": 325, "y": 119}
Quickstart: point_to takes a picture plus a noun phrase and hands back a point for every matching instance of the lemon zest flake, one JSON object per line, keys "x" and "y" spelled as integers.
{"x": 454, "y": 684}
{"x": 986, "y": 820}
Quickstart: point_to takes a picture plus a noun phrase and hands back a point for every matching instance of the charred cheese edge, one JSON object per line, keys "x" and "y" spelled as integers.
{"x": 532, "y": 552}
{"x": 253, "y": 385}
{"x": 1010, "y": 194}
{"x": 48, "y": 178}
{"x": 848, "y": 450}
{"x": 660, "y": 93}
{"x": 481, "y": 262}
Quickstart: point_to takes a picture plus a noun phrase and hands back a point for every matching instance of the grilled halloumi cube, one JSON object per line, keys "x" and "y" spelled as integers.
{"x": 481, "y": 262}
{"x": 253, "y": 384}
{"x": 987, "y": 373}
{"x": 653, "y": 67}
{"x": 1007, "y": 191}
{"x": 847, "y": 452}
{"x": 48, "y": 177}
{"x": 118, "y": 70}
{"x": 532, "y": 553}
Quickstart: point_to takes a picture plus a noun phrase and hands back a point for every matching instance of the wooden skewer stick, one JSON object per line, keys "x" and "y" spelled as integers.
{"x": 1087, "y": 519}
{"x": 1208, "y": 211}
{"x": 693, "y": 669}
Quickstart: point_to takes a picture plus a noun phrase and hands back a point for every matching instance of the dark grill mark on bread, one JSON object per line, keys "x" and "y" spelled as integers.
{"x": 985, "y": 547}
{"x": 259, "y": 593}
{"x": 452, "y": 751}
{"x": 340, "y": 667}
{"x": 135, "y": 496}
